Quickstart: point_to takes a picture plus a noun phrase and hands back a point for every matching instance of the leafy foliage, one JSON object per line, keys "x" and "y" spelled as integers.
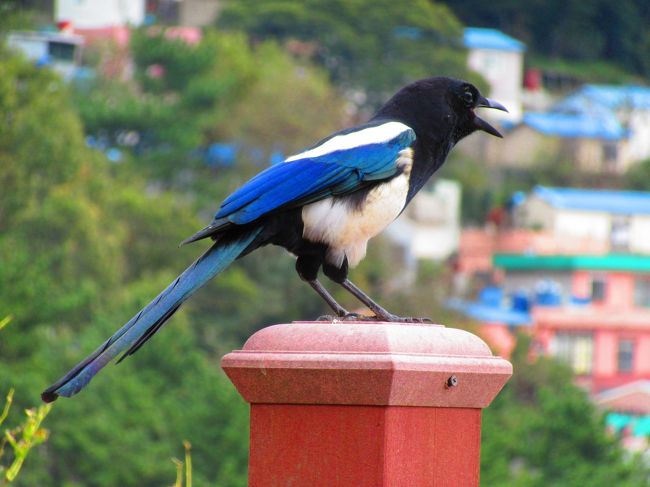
{"x": 573, "y": 30}
{"x": 184, "y": 469}
{"x": 638, "y": 176}
{"x": 371, "y": 46}
{"x": 23, "y": 437}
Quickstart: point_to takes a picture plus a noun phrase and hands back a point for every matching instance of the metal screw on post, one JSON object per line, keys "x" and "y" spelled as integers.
{"x": 451, "y": 382}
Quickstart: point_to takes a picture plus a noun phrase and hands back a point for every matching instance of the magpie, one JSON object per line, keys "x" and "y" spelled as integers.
{"x": 323, "y": 205}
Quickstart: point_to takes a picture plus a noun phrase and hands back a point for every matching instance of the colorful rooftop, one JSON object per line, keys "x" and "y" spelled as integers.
{"x": 480, "y": 38}
{"x": 613, "y": 97}
{"x": 618, "y": 262}
{"x": 609, "y": 201}
{"x": 576, "y": 125}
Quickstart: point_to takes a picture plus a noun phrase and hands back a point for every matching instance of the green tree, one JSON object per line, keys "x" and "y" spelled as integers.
{"x": 162, "y": 117}
{"x": 575, "y": 30}
{"x": 221, "y": 89}
{"x": 638, "y": 176}
{"x": 371, "y": 47}
{"x": 83, "y": 247}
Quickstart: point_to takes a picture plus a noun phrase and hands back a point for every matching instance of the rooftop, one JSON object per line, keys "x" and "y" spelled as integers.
{"x": 604, "y": 200}
{"x": 613, "y": 97}
{"x": 636, "y": 395}
{"x": 480, "y": 38}
{"x": 490, "y": 313}
{"x": 620, "y": 262}
{"x": 586, "y": 125}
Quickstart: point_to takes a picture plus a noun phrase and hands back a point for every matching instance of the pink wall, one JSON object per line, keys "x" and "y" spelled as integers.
{"x": 606, "y": 338}
{"x": 642, "y": 354}
{"x": 619, "y": 292}
{"x": 605, "y": 352}
{"x": 581, "y": 284}
{"x": 498, "y": 337}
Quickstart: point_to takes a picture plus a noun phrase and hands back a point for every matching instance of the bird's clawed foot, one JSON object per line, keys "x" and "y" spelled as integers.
{"x": 347, "y": 317}
{"x": 388, "y": 318}
{"x": 356, "y": 317}
{"x": 391, "y": 318}
{"x": 327, "y": 318}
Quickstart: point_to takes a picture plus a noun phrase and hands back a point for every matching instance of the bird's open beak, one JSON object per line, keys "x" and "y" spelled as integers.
{"x": 481, "y": 124}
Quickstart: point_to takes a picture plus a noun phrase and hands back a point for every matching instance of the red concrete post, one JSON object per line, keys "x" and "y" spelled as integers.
{"x": 365, "y": 404}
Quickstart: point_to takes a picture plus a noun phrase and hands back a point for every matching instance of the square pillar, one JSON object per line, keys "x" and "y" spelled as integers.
{"x": 365, "y": 404}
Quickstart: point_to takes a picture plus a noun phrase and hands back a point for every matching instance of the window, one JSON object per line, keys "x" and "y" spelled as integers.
{"x": 598, "y": 289}
{"x": 610, "y": 152}
{"x": 575, "y": 349}
{"x": 625, "y": 355}
{"x": 619, "y": 235}
{"x": 642, "y": 292}
{"x": 62, "y": 51}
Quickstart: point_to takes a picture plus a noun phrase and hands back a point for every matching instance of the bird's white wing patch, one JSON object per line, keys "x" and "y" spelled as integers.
{"x": 371, "y": 135}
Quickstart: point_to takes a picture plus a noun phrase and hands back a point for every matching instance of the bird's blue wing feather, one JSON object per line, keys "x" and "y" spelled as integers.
{"x": 302, "y": 180}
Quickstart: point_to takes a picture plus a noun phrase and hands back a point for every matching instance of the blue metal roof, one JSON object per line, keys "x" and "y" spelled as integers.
{"x": 613, "y": 97}
{"x": 489, "y": 313}
{"x": 586, "y": 125}
{"x": 610, "y": 201}
{"x": 480, "y": 38}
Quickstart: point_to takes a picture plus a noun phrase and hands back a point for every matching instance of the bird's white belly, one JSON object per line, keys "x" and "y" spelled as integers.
{"x": 347, "y": 229}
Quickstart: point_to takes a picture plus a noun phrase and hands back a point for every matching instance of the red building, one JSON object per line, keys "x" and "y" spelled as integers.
{"x": 597, "y": 318}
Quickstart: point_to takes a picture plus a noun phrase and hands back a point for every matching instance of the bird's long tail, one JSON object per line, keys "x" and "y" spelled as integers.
{"x": 148, "y": 321}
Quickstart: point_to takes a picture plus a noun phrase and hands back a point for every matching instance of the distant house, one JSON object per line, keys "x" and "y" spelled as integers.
{"x": 617, "y": 221}
{"x": 629, "y": 104}
{"x": 590, "y": 311}
{"x": 97, "y": 14}
{"x": 600, "y": 128}
{"x": 561, "y": 221}
{"x": 499, "y": 58}
{"x": 589, "y": 143}
{"x": 595, "y": 315}
{"x": 61, "y": 52}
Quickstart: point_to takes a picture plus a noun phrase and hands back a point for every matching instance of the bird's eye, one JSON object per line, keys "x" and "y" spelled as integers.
{"x": 468, "y": 97}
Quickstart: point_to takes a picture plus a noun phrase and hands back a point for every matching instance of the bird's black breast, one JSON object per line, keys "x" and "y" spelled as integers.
{"x": 428, "y": 157}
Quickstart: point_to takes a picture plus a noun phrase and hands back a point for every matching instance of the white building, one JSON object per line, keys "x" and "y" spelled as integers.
{"x": 499, "y": 58}
{"x": 97, "y": 14}
{"x": 62, "y": 52}
{"x": 620, "y": 219}
{"x": 629, "y": 105}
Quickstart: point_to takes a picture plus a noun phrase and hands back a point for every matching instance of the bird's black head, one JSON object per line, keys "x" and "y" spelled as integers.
{"x": 440, "y": 109}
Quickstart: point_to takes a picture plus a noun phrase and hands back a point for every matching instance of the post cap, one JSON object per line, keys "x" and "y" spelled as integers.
{"x": 367, "y": 363}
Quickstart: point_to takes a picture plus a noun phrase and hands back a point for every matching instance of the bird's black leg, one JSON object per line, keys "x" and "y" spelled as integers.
{"x": 381, "y": 313}
{"x": 340, "y": 276}
{"x": 327, "y": 297}
{"x": 307, "y": 268}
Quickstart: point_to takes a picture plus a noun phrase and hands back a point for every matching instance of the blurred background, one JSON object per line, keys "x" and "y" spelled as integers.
{"x": 124, "y": 124}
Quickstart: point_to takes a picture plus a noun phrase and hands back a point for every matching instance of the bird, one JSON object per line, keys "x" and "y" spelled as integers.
{"x": 323, "y": 205}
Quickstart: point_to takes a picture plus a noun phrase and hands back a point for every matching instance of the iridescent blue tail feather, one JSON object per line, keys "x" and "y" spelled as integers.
{"x": 147, "y": 322}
